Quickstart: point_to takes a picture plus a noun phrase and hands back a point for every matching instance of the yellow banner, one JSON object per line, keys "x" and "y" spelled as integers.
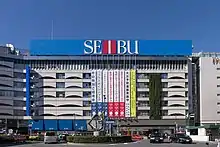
{"x": 133, "y": 93}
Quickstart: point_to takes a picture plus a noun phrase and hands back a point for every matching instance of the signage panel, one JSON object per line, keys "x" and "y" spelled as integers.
{"x": 110, "y": 93}
{"x": 105, "y": 92}
{"x": 99, "y": 92}
{"x": 116, "y": 93}
{"x": 127, "y": 93}
{"x": 133, "y": 93}
{"x": 93, "y": 93}
{"x": 98, "y": 47}
{"x": 122, "y": 94}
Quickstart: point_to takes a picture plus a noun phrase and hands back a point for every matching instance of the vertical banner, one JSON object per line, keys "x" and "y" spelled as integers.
{"x": 99, "y": 92}
{"x": 110, "y": 93}
{"x": 122, "y": 94}
{"x": 105, "y": 92}
{"x": 116, "y": 93}
{"x": 127, "y": 93}
{"x": 28, "y": 101}
{"x": 133, "y": 93}
{"x": 93, "y": 93}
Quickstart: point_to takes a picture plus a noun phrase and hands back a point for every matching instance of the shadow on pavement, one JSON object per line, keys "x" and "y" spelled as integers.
{"x": 17, "y": 144}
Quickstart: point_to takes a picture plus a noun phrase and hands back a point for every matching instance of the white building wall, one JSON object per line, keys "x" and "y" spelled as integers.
{"x": 209, "y": 91}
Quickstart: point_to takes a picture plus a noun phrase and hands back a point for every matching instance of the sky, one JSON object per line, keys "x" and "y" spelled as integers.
{"x": 196, "y": 20}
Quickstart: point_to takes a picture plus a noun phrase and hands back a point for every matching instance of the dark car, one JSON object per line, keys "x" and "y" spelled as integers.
{"x": 156, "y": 138}
{"x": 181, "y": 138}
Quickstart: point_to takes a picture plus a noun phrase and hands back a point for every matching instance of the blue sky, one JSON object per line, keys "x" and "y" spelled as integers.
{"x": 197, "y": 20}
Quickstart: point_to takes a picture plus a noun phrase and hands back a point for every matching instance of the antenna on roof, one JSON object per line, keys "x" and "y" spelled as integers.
{"x": 51, "y": 35}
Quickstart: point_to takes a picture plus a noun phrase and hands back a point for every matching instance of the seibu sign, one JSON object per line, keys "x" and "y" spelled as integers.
{"x": 121, "y": 47}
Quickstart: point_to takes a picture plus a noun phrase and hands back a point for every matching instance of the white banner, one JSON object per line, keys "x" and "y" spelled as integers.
{"x": 116, "y": 85}
{"x": 110, "y": 86}
{"x": 93, "y": 87}
{"x": 122, "y": 85}
{"x": 127, "y": 94}
{"x": 105, "y": 86}
{"x": 99, "y": 86}
{"x": 93, "y": 93}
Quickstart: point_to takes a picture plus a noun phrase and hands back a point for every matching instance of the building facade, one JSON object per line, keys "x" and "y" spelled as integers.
{"x": 63, "y": 92}
{"x": 209, "y": 71}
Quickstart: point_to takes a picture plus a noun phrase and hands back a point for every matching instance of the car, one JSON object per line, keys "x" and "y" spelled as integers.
{"x": 50, "y": 137}
{"x": 181, "y": 138}
{"x": 137, "y": 137}
{"x": 156, "y": 138}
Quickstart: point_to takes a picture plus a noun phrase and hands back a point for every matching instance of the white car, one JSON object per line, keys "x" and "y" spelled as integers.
{"x": 50, "y": 137}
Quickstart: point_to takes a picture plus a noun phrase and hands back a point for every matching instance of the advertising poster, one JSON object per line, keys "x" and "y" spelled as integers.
{"x": 133, "y": 93}
{"x": 105, "y": 92}
{"x": 110, "y": 94}
{"x": 93, "y": 93}
{"x": 116, "y": 94}
{"x": 122, "y": 94}
{"x": 99, "y": 92}
{"x": 127, "y": 93}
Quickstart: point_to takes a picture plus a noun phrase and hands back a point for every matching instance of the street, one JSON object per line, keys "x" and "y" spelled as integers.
{"x": 143, "y": 143}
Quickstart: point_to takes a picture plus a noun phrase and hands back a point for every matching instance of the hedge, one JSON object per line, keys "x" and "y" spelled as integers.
{"x": 6, "y": 139}
{"x": 155, "y": 96}
{"x": 99, "y": 139}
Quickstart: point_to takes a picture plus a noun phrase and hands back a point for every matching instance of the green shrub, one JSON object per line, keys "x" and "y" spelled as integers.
{"x": 6, "y": 139}
{"x": 99, "y": 139}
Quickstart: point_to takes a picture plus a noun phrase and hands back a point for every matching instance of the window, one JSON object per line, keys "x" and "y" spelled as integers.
{"x": 164, "y": 94}
{"x": 86, "y": 113}
{"x": 19, "y": 112}
{"x": 19, "y": 85}
{"x": 19, "y": 75}
{"x": 143, "y": 104}
{"x": 143, "y": 94}
{"x": 60, "y": 94}
{"x": 165, "y": 85}
{"x": 60, "y": 85}
{"x": 86, "y": 103}
{"x": 86, "y": 85}
{"x": 186, "y": 85}
{"x": 186, "y": 75}
{"x": 187, "y": 103}
{"x": 86, "y": 75}
{"x": 164, "y": 76}
{"x": 164, "y": 103}
{"x": 186, "y": 94}
{"x": 164, "y": 112}
{"x": 86, "y": 94}
{"x": 19, "y": 94}
{"x": 60, "y": 75}
{"x": 18, "y": 103}
{"x": 6, "y": 93}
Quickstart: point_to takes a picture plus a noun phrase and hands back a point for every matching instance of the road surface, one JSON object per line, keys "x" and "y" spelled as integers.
{"x": 143, "y": 143}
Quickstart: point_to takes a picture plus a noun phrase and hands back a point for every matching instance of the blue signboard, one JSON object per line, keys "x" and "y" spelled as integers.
{"x": 65, "y": 125}
{"x": 36, "y": 125}
{"x": 51, "y": 125}
{"x": 80, "y": 125}
{"x": 111, "y": 47}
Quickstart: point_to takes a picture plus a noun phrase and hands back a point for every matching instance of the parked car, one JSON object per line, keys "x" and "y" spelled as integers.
{"x": 181, "y": 138}
{"x": 156, "y": 138}
{"x": 50, "y": 137}
{"x": 137, "y": 137}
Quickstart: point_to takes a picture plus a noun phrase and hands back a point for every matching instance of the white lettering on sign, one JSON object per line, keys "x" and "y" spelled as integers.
{"x": 98, "y": 47}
